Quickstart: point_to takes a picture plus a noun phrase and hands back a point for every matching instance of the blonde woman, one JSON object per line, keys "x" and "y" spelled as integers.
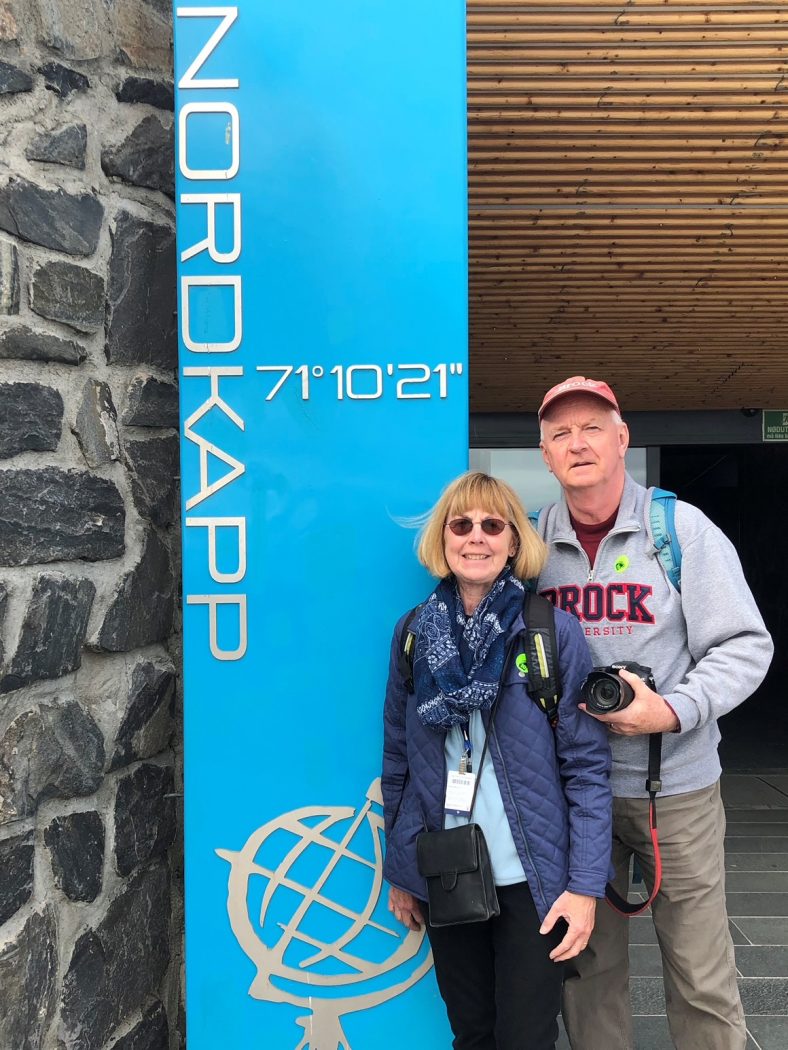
{"x": 543, "y": 799}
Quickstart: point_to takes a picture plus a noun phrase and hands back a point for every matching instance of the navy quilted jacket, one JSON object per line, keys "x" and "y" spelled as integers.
{"x": 554, "y": 784}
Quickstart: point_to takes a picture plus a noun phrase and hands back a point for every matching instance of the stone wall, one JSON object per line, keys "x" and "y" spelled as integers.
{"x": 90, "y": 913}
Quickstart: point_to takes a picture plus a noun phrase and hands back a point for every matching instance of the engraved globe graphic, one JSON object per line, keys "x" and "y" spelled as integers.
{"x": 308, "y": 905}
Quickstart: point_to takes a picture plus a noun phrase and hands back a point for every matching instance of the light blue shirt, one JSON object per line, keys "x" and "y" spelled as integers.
{"x": 488, "y": 812}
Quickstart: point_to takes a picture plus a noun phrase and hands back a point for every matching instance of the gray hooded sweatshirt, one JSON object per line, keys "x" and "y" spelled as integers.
{"x": 707, "y": 646}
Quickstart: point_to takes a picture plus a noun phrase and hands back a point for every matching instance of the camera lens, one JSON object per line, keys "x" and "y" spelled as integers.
{"x": 605, "y": 695}
{"x": 603, "y": 691}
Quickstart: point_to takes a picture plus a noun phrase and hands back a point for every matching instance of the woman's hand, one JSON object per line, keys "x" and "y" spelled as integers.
{"x": 579, "y": 912}
{"x": 406, "y": 908}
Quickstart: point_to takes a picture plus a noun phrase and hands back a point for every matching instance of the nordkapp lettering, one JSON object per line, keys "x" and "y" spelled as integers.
{"x": 215, "y": 380}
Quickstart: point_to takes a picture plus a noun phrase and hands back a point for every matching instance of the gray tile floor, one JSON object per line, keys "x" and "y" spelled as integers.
{"x": 757, "y": 887}
{"x": 757, "y": 883}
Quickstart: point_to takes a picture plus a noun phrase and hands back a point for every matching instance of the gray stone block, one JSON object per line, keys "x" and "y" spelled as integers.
{"x": 771, "y": 1032}
{"x": 144, "y": 817}
{"x": 9, "y": 30}
{"x": 53, "y": 631}
{"x": 645, "y": 960}
{"x": 53, "y": 515}
{"x": 149, "y": 92}
{"x": 652, "y": 1033}
{"x": 755, "y": 960}
{"x": 28, "y": 974}
{"x": 151, "y": 402}
{"x": 65, "y": 222}
{"x": 16, "y": 873}
{"x": 147, "y": 723}
{"x": 757, "y": 829}
{"x": 152, "y": 1032}
{"x": 31, "y": 418}
{"x": 753, "y": 903}
{"x": 61, "y": 291}
{"x": 647, "y": 995}
{"x": 735, "y": 817}
{"x": 63, "y": 80}
{"x": 25, "y": 344}
{"x": 163, "y": 7}
{"x": 756, "y": 844}
{"x": 146, "y": 158}
{"x": 9, "y": 278}
{"x": 55, "y": 750}
{"x": 117, "y": 967}
{"x": 765, "y": 881}
{"x": 142, "y": 608}
{"x": 79, "y": 29}
{"x": 13, "y": 79}
{"x": 66, "y": 146}
{"x": 142, "y": 35}
{"x": 773, "y": 930}
{"x": 141, "y": 318}
{"x": 757, "y": 862}
{"x": 154, "y": 467}
{"x": 76, "y": 847}
{"x": 641, "y": 930}
{"x": 97, "y": 425}
{"x": 763, "y": 995}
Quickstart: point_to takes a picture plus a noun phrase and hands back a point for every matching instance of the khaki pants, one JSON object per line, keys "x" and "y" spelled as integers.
{"x": 691, "y": 921}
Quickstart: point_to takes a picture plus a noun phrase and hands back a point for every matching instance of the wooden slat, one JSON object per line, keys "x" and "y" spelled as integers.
{"x": 502, "y": 23}
{"x": 628, "y": 199}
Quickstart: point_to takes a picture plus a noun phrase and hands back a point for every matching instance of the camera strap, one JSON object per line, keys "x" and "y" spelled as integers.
{"x": 653, "y": 785}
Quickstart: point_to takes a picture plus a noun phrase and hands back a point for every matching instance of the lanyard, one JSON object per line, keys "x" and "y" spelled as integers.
{"x": 466, "y": 760}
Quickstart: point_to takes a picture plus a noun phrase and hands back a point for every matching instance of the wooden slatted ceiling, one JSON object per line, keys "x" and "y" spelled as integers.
{"x": 628, "y": 180}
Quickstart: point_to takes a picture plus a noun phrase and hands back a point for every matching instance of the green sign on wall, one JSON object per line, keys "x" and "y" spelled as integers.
{"x": 775, "y": 425}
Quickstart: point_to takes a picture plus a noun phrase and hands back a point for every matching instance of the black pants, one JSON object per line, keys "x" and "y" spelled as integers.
{"x": 501, "y": 990}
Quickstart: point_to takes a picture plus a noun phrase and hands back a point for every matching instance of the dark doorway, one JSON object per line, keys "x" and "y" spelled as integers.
{"x": 743, "y": 489}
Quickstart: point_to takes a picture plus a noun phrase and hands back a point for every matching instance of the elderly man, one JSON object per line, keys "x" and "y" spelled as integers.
{"x": 709, "y": 650}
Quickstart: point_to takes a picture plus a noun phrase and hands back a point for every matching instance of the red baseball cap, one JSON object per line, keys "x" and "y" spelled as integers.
{"x": 579, "y": 385}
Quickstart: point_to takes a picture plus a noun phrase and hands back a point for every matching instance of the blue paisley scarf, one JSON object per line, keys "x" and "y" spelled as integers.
{"x": 459, "y": 658}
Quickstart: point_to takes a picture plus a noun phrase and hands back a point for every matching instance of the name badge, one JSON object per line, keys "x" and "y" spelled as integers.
{"x": 459, "y": 793}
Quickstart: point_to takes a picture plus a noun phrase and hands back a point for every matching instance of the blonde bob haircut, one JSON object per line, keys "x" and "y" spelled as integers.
{"x": 494, "y": 497}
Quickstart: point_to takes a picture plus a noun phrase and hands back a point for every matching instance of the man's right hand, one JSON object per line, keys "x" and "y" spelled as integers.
{"x": 406, "y": 908}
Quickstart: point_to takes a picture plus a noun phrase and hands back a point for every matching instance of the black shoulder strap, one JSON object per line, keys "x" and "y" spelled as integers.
{"x": 407, "y": 643}
{"x": 543, "y": 673}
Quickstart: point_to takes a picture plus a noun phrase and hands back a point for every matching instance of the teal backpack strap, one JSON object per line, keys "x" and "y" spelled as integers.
{"x": 542, "y": 654}
{"x": 533, "y": 517}
{"x": 662, "y": 518}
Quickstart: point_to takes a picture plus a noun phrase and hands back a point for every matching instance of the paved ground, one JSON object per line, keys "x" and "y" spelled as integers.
{"x": 757, "y": 884}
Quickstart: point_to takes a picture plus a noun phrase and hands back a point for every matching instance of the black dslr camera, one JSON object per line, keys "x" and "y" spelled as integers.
{"x": 603, "y": 691}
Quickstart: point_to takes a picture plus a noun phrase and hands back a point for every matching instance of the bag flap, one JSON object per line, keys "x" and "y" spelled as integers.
{"x": 451, "y": 850}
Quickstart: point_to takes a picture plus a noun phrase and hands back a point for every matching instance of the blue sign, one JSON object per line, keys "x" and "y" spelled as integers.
{"x": 322, "y": 229}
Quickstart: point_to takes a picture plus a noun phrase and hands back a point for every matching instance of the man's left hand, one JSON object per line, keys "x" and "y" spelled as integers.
{"x": 579, "y": 912}
{"x": 648, "y": 712}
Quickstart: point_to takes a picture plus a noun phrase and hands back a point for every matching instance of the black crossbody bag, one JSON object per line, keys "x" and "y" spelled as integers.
{"x": 455, "y": 863}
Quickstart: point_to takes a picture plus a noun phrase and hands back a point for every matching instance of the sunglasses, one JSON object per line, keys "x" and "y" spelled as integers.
{"x": 464, "y": 526}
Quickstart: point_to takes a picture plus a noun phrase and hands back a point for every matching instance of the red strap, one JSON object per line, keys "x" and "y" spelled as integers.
{"x": 615, "y": 900}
